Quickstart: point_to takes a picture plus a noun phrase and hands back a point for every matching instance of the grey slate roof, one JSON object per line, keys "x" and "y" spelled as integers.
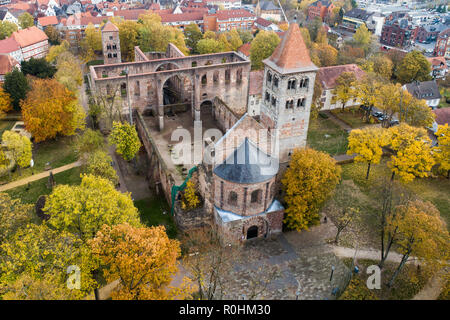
{"x": 427, "y": 90}
{"x": 3, "y": 14}
{"x": 247, "y": 164}
{"x": 358, "y": 14}
{"x": 268, "y": 5}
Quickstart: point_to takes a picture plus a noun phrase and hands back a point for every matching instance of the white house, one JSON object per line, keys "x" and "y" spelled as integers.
{"x": 5, "y": 15}
{"x": 426, "y": 90}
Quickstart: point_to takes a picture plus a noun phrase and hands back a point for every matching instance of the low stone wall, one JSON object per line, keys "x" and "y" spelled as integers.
{"x": 191, "y": 219}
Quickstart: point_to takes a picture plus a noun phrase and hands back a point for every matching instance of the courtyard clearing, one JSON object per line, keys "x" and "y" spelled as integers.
{"x": 324, "y": 135}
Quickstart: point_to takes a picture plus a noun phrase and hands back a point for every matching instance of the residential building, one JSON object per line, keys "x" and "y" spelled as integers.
{"x": 320, "y": 8}
{"x": 9, "y": 46}
{"x": 268, "y": 10}
{"x": 6, "y": 15}
{"x": 32, "y": 41}
{"x": 426, "y": 90}
{"x": 354, "y": 18}
{"x": 263, "y": 24}
{"x": 396, "y": 31}
{"x": 328, "y": 76}
{"x": 439, "y": 68}
{"x": 7, "y": 64}
{"x": 442, "y": 47}
{"x": 44, "y": 22}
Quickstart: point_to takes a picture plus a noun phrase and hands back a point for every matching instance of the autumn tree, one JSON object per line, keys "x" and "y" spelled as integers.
{"x": 190, "y": 198}
{"x": 388, "y": 99}
{"x": 107, "y": 104}
{"x": 91, "y": 42}
{"x": 234, "y": 39}
{"x": 441, "y": 152}
{"x": 126, "y": 140}
{"x": 366, "y": 90}
{"x": 19, "y": 147}
{"x": 421, "y": 232}
{"x": 14, "y": 215}
{"x": 362, "y": 37}
{"x": 51, "y": 109}
{"x": 54, "y": 37}
{"x": 414, "y": 66}
{"x": 6, "y": 29}
{"x": 412, "y": 152}
{"x": 40, "y": 252}
{"x": 345, "y": 89}
{"x": 205, "y": 46}
{"x": 246, "y": 36}
{"x": 193, "y": 35}
{"x": 326, "y": 54}
{"x": 262, "y": 47}
{"x": 16, "y": 85}
{"x": 309, "y": 180}
{"x": 344, "y": 207}
{"x": 40, "y": 68}
{"x": 26, "y": 20}
{"x": 56, "y": 51}
{"x": 82, "y": 210}
{"x": 98, "y": 163}
{"x": 69, "y": 71}
{"x": 383, "y": 66}
{"x": 5, "y": 102}
{"x": 349, "y": 54}
{"x": 88, "y": 141}
{"x": 143, "y": 259}
{"x": 367, "y": 144}
{"x": 128, "y": 35}
{"x": 416, "y": 112}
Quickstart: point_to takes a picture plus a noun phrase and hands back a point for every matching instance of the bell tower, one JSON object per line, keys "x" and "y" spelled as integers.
{"x": 288, "y": 86}
{"x": 111, "y": 43}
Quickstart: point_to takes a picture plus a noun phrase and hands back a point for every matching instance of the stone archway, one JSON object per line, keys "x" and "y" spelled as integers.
{"x": 252, "y": 232}
{"x": 165, "y": 66}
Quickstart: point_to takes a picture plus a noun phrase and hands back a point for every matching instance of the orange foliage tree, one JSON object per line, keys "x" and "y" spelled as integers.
{"x": 51, "y": 109}
{"x": 143, "y": 259}
{"x": 5, "y": 102}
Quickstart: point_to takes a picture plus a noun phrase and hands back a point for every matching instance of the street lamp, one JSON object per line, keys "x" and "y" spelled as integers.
{"x": 126, "y": 72}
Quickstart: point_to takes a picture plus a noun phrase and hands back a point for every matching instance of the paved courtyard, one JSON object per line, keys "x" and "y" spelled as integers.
{"x": 286, "y": 263}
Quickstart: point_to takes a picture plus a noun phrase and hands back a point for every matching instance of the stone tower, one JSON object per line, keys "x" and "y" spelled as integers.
{"x": 288, "y": 87}
{"x": 111, "y": 43}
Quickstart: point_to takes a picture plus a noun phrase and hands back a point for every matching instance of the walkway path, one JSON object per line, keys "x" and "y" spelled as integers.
{"x": 432, "y": 289}
{"x": 368, "y": 254}
{"x": 38, "y": 176}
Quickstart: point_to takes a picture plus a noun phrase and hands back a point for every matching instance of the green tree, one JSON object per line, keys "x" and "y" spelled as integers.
{"x": 54, "y": 37}
{"x": 309, "y": 180}
{"x": 383, "y": 66}
{"x": 193, "y": 35}
{"x": 205, "y": 46}
{"x": 69, "y": 71}
{"x": 6, "y": 29}
{"x": 362, "y": 37}
{"x": 234, "y": 39}
{"x": 82, "y": 210}
{"x": 56, "y": 50}
{"x": 91, "y": 42}
{"x": 26, "y": 20}
{"x": 246, "y": 36}
{"x": 40, "y": 68}
{"x": 262, "y": 47}
{"x": 16, "y": 85}
{"x": 89, "y": 141}
{"x": 128, "y": 35}
{"x": 14, "y": 215}
{"x": 126, "y": 140}
{"x": 414, "y": 67}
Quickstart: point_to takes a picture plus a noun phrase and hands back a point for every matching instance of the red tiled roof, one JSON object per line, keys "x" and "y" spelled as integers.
{"x": 245, "y": 49}
{"x": 9, "y": 45}
{"x": 131, "y": 14}
{"x": 256, "y": 81}
{"x": 263, "y": 22}
{"x": 442, "y": 116}
{"x": 46, "y": 21}
{"x": 436, "y": 61}
{"x": 187, "y": 16}
{"x": 29, "y": 36}
{"x": 329, "y": 75}
{"x": 7, "y": 63}
{"x": 291, "y": 52}
{"x": 110, "y": 27}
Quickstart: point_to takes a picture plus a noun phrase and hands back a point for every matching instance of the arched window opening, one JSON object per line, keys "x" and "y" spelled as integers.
{"x": 275, "y": 81}
{"x": 256, "y": 196}
{"x": 216, "y": 77}
{"x": 137, "y": 89}
{"x": 289, "y": 104}
{"x": 292, "y": 84}
{"x": 227, "y": 76}
{"x": 239, "y": 75}
{"x": 232, "y": 198}
{"x": 194, "y": 64}
{"x": 204, "y": 80}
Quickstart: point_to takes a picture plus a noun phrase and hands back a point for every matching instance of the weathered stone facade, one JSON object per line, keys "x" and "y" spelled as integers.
{"x": 111, "y": 44}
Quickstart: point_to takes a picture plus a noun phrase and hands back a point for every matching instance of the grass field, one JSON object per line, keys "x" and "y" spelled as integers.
{"x": 435, "y": 190}
{"x": 155, "y": 212}
{"x": 325, "y": 135}
{"x": 351, "y": 116}
{"x": 56, "y": 152}
{"x": 30, "y": 193}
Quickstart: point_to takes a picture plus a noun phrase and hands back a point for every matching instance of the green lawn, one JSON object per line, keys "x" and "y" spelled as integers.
{"x": 151, "y": 210}
{"x": 351, "y": 116}
{"x": 408, "y": 283}
{"x": 30, "y": 193}
{"x": 5, "y": 125}
{"x": 325, "y": 135}
{"x": 435, "y": 190}
{"x": 56, "y": 152}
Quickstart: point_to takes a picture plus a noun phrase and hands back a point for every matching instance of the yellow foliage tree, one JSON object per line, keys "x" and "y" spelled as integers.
{"x": 367, "y": 144}
{"x": 126, "y": 140}
{"x": 412, "y": 147}
{"x": 19, "y": 148}
{"x": 55, "y": 51}
{"x": 190, "y": 198}
{"x": 442, "y": 151}
{"x": 345, "y": 89}
{"x": 143, "y": 259}
{"x": 309, "y": 180}
{"x": 5, "y": 102}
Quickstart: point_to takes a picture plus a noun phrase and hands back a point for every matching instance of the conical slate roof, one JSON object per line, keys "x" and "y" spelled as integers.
{"x": 291, "y": 54}
{"x": 247, "y": 164}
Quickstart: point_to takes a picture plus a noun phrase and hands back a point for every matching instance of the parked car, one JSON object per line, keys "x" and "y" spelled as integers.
{"x": 377, "y": 114}
{"x": 394, "y": 123}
